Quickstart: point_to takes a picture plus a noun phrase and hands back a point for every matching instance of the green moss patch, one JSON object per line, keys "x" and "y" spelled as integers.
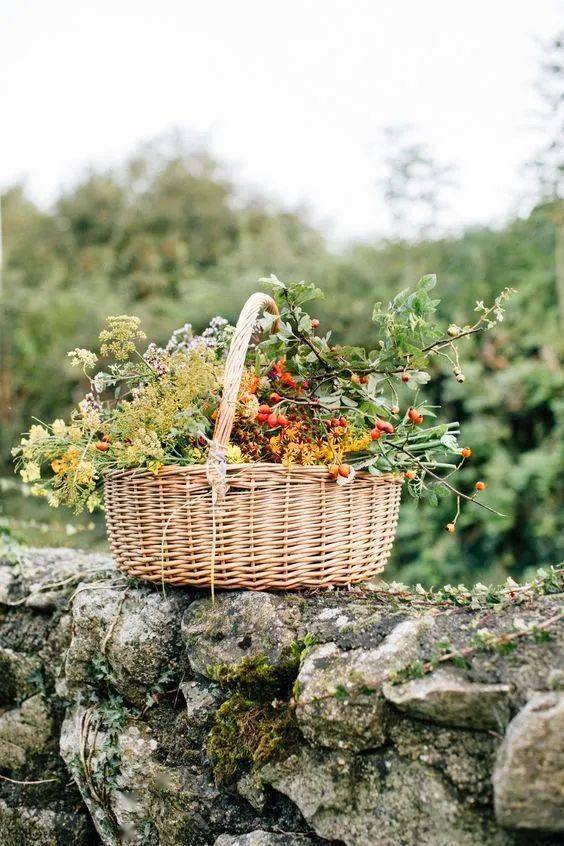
{"x": 247, "y": 734}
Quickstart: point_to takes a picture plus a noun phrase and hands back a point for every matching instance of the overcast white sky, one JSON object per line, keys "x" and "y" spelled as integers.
{"x": 293, "y": 95}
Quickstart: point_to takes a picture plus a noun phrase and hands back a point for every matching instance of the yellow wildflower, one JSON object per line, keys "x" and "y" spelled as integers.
{"x": 74, "y": 433}
{"x": 120, "y": 336}
{"x": 94, "y": 501}
{"x": 35, "y": 434}
{"x": 85, "y": 472}
{"x": 53, "y": 500}
{"x": 234, "y": 455}
{"x": 90, "y": 416}
{"x": 30, "y": 472}
{"x": 67, "y": 462}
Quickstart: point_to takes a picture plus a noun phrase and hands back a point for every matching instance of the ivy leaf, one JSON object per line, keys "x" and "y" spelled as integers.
{"x": 427, "y": 283}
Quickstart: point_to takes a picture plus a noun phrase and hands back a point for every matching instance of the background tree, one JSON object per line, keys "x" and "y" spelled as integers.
{"x": 169, "y": 237}
{"x": 415, "y": 187}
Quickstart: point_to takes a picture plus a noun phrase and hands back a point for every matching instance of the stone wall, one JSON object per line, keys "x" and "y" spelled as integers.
{"x": 133, "y": 716}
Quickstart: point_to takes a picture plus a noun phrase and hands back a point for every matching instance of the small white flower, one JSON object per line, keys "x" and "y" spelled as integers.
{"x": 82, "y": 358}
{"x": 30, "y": 472}
{"x": 59, "y": 428}
{"x": 36, "y": 433}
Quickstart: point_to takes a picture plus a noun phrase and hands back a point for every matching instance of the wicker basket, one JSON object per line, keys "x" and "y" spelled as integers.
{"x": 256, "y": 526}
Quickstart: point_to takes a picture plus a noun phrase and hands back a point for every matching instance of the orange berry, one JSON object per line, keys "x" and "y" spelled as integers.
{"x": 385, "y": 426}
{"x": 405, "y": 377}
{"x": 264, "y": 409}
{"x": 288, "y": 380}
{"x": 315, "y": 323}
{"x": 355, "y": 378}
{"x": 480, "y": 486}
{"x": 375, "y": 434}
{"x": 450, "y": 527}
{"x": 274, "y": 398}
{"x": 395, "y": 409}
{"x": 415, "y": 417}
{"x": 283, "y": 420}
{"x": 262, "y": 418}
{"x": 272, "y": 420}
{"x": 333, "y": 471}
{"x": 343, "y": 422}
{"x": 363, "y": 380}
{"x": 466, "y": 452}
{"x": 345, "y": 470}
{"x": 410, "y": 474}
{"x": 102, "y": 446}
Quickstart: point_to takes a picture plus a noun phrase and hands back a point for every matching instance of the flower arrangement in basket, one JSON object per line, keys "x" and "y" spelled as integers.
{"x": 261, "y": 455}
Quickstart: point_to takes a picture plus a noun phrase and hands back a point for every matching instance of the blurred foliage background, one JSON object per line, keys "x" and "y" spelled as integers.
{"x": 170, "y": 238}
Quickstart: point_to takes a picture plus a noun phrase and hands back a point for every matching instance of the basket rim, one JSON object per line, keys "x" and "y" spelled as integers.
{"x": 281, "y": 469}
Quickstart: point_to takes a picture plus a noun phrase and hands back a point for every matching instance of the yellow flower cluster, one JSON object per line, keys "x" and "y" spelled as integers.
{"x": 118, "y": 339}
{"x": 233, "y": 455}
{"x": 164, "y": 406}
{"x": 144, "y": 448}
{"x": 296, "y": 447}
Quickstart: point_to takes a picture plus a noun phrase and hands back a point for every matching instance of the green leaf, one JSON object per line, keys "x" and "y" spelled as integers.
{"x": 427, "y": 283}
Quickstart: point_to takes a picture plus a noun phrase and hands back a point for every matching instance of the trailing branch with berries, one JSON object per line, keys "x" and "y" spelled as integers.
{"x": 303, "y": 401}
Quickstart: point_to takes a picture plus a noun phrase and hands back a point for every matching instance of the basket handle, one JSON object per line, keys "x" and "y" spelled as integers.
{"x": 235, "y": 363}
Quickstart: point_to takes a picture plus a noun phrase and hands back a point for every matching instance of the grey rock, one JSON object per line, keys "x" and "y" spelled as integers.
{"x": 379, "y": 800}
{"x": 366, "y": 772}
{"x": 262, "y": 838}
{"x": 53, "y": 571}
{"x": 130, "y": 804}
{"x": 179, "y": 803}
{"x": 200, "y": 702}
{"x": 340, "y": 703}
{"x": 24, "y": 731}
{"x": 528, "y": 777}
{"x": 464, "y": 758}
{"x": 29, "y": 826}
{"x": 46, "y": 600}
{"x": 253, "y": 791}
{"x": 7, "y": 581}
{"x": 18, "y": 675}
{"x": 529, "y": 670}
{"x": 137, "y": 631}
{"x": 447, "y": 698}
{"x": 238, "y": 626}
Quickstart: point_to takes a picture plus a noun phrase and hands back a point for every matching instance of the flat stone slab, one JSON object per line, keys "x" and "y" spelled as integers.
{"x": 528, "y": 776}
{"x": 447, "y": 698}
{"x": 262, "y": 838}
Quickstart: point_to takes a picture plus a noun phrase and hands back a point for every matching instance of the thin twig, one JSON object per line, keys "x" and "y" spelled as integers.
{"x": 445, "y": 483}
{"x": 429, "y": 666}
{"x": 38, "y": 781}
{"x": 113, "y": 624}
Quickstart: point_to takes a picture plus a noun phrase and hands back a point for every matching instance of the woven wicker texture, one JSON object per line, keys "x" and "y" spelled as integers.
{"x": 256, "y": 526}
